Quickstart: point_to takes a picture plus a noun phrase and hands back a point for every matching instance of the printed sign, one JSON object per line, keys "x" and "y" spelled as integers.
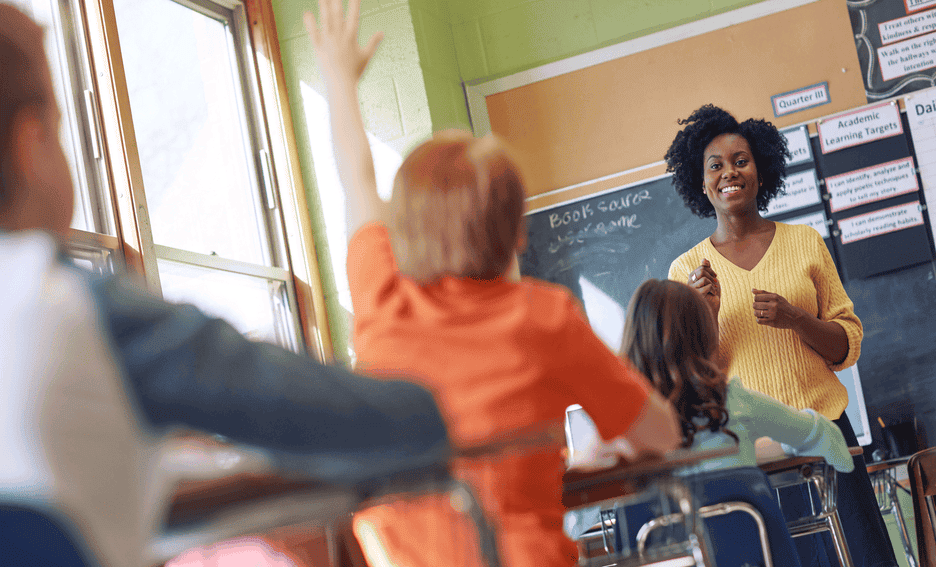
{"x": 816, "y": 220}
{"x": 881, "y": 222}
{"x": 921, "y": 115}
{"x": 908, "y": 56}
{"x": 910, "y": 26}
{"x": 859, "y": 127}
{"x": 802, "y": 190}
{"x": 872, "y": 184}
{"x": 917, "y": 5}
{"x": 800, "y": 99}
{"x": 798, "y": 144}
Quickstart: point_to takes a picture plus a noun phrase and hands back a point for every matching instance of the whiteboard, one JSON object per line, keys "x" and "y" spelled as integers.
{"x": 856, "y": 411}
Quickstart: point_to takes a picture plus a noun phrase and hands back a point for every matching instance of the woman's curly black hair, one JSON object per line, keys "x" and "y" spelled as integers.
{"x": 685, "y": 155}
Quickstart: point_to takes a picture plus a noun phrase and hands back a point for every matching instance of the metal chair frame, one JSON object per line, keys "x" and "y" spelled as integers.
{"x": 921, "y": 468}
{"x": 886, "y": 489}
{"x": 711, "y": 511}
{"x": 690, "y": 552}
{"x": 822, "y": 478}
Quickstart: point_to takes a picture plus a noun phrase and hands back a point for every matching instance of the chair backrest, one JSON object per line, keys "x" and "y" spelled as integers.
{"x": 32, "y": 536}
{"x": 921, "y": 469}
{"x": 71, "y": 440}
{"x": 748, "y": 485}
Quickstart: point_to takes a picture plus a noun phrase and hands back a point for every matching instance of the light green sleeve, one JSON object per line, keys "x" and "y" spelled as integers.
{"x": 804, "y": 432}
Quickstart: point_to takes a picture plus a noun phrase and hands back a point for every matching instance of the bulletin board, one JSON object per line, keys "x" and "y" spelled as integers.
{"x": 618, "y": 111}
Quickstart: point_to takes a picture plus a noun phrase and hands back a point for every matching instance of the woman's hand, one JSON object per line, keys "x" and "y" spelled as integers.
{"x": 774, "y": 310}
{"x": 827, "y": 338}
{"x": 704, "y": 280}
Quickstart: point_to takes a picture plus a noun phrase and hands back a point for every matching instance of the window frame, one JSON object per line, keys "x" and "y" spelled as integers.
{"x": 279, "y": 174}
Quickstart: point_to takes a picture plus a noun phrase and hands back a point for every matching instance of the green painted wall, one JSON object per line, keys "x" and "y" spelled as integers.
{"x": 395, "y": 109}
{"x": 414, "y": 85}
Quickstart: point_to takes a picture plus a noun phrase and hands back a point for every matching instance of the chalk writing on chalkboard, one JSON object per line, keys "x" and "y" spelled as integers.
{"x": 604, "y": 246}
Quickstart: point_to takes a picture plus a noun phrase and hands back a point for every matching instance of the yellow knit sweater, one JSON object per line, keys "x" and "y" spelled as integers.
{"x": 798, "y": 266}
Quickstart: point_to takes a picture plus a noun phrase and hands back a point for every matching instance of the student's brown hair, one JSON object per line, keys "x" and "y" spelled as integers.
{"x": 457, "y": 209}
{"x": 671, "y": 337}
{"x": 22, "y": 83}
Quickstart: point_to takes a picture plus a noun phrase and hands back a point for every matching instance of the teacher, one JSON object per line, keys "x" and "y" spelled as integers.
{"x": 785, "y": 322}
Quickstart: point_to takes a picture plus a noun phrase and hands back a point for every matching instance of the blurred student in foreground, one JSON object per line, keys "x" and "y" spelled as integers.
{"x": 90, "y": 372}
{"x": 433, "y": 300}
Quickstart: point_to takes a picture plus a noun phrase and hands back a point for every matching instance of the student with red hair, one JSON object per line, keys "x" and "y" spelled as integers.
{"x": 432, "y": 298}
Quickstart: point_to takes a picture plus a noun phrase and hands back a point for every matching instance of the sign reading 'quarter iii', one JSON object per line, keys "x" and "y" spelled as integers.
{"x": 800, "y": 99}
{"x": 859, "y": 126}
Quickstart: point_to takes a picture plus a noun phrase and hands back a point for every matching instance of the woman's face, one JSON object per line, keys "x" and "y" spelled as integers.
{"x": 730, "y": 177}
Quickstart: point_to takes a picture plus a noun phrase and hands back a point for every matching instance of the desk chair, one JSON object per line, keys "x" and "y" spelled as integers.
{"x": 887, "y": 489}
{"x": 31, "y": 535}
{"x": 922, "y": 472}
{"x": 820, "y": 480}
{"x": 734, "y": 505}
{"x": 685, "y": 546}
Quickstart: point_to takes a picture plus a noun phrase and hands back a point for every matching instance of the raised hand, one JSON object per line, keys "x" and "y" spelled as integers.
{"x": 704, "y": 280}
{"x": 342, "y": 62}
{"x": 335, "y": 39}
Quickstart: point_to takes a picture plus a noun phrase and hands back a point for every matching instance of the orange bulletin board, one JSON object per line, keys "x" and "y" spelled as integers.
{"x": 620, "y": 114}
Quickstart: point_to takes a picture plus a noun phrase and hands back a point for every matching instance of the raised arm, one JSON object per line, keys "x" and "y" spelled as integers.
{"x": 342, "y": 62}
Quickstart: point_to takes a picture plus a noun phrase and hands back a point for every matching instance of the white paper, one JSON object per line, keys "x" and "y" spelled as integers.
{"x": 798, "y": 144}
{"x": 872, "y": 184}
{"x": 916, "y": 5}
{"x": 816, "y": 220}
{"x": 802, "y": 190}
{"x": 921, "y": 115}
{"x": 908, "y": 56}
{"x": 906, "y": 27}
{"x": 880, "y": 222}
{"x": 859, "y": 126}
{"x": 800, "y": 99}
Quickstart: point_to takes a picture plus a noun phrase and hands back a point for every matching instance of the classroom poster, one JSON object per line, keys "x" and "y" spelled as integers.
{"x": 896, "y": 45}
{"x": 921, "y": 115}
{"x": 873, "y": 191}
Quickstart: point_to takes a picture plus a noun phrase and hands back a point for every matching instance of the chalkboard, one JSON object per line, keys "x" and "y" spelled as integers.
{"x": 604, "y": 246}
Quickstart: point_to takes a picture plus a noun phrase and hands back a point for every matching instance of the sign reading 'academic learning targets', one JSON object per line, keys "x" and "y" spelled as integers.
{"x": 872, "y": 184}
{"x": 881, "y": 222}
{"x": 859, "y": 127}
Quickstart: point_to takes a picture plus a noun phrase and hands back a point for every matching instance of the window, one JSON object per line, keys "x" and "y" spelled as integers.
{"x": 178, "y": 175}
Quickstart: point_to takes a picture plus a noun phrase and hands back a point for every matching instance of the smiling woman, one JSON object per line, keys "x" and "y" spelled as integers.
{"x": 785, "y": 323}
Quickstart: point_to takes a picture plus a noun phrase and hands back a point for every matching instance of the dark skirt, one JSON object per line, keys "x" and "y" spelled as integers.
{"x": 867, "y": 537}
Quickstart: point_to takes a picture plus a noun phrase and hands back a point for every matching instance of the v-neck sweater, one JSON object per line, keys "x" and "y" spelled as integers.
{"x": 797, "y": 265}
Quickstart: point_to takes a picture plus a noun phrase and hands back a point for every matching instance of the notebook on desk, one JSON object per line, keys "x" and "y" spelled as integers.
{"x": 581, "y": 434}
